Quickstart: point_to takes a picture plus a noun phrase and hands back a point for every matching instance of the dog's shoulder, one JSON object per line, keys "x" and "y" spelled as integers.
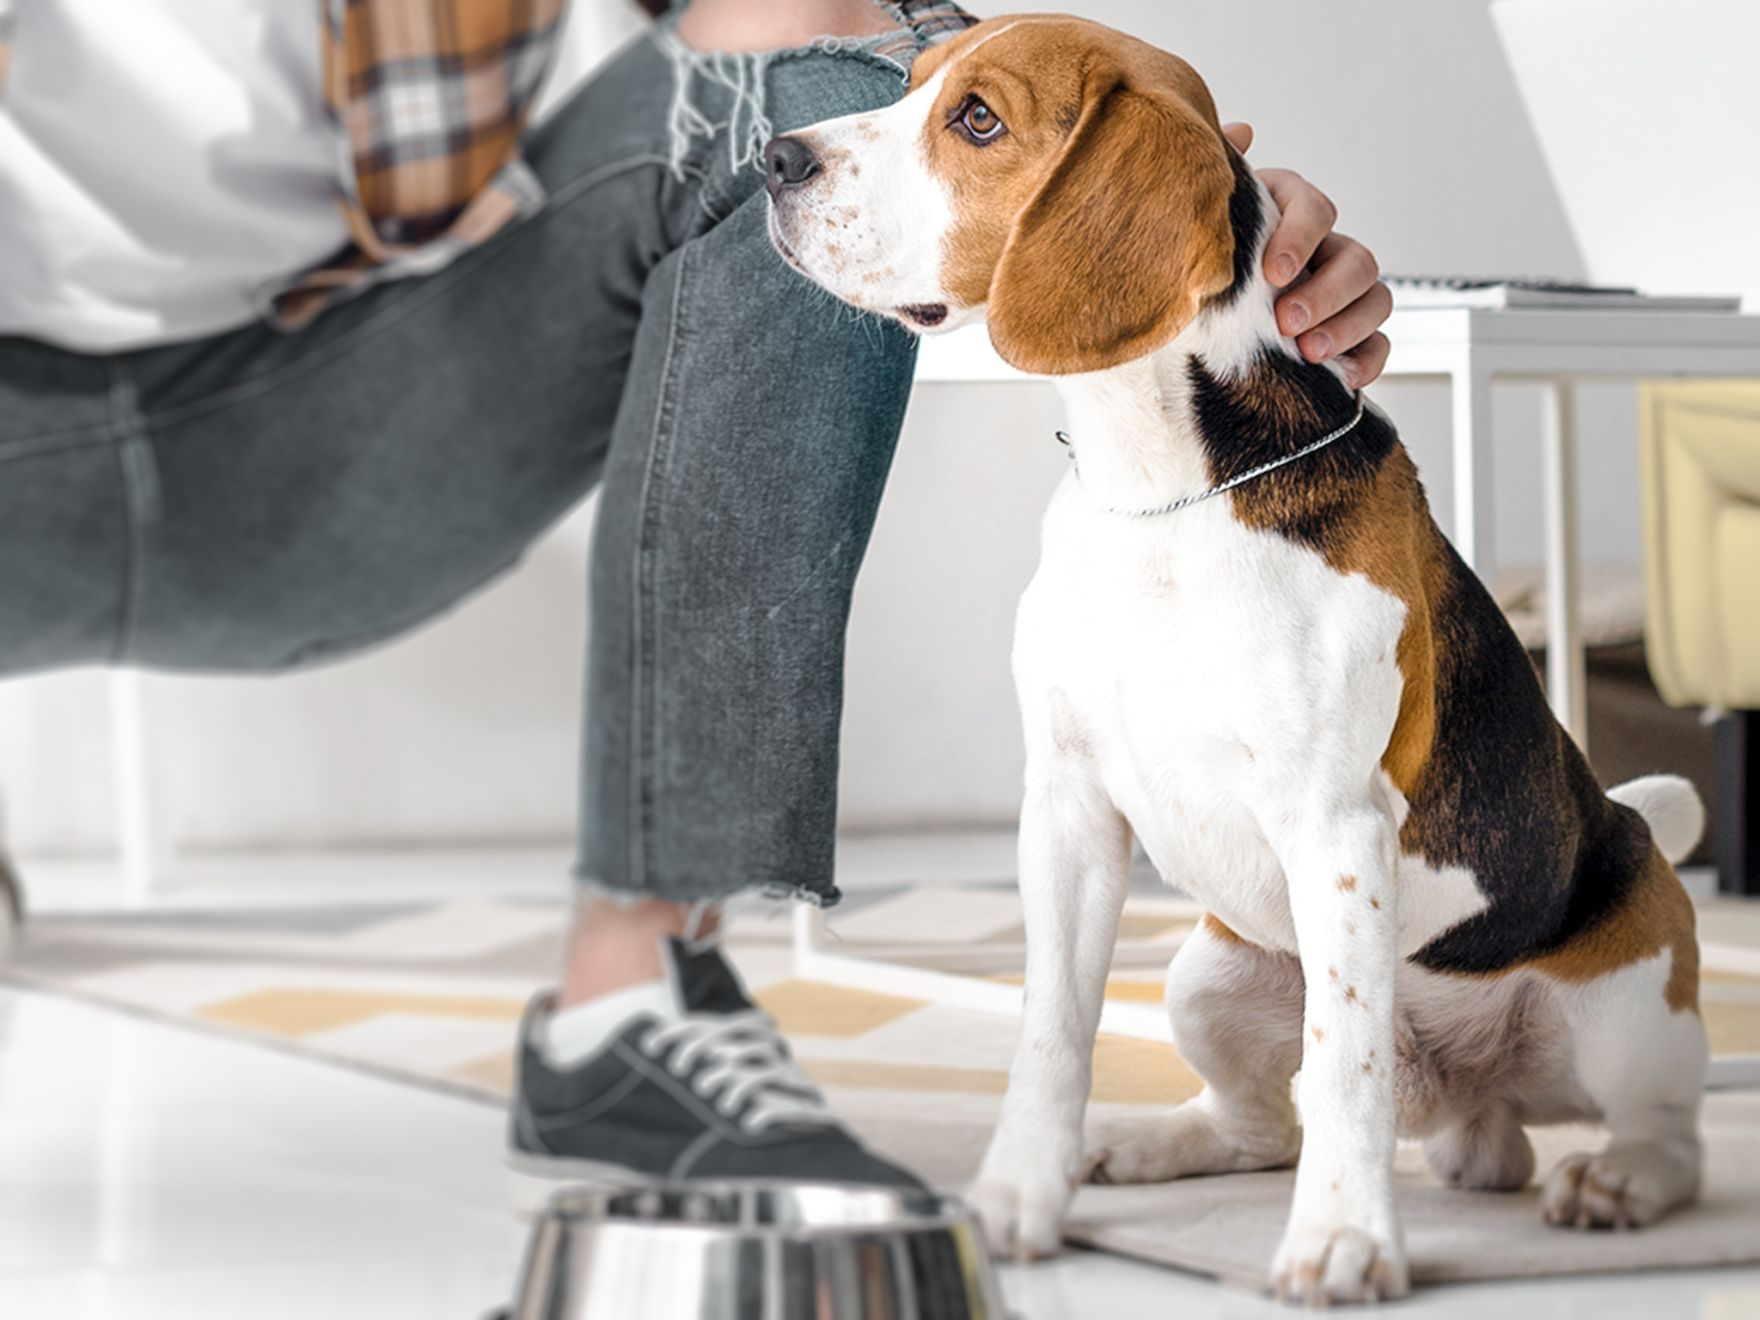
{"x": 1492, "y": 783}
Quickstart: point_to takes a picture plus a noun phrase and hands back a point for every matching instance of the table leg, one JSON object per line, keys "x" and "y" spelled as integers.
{"x": 1737, "y": 811}
{"x": 1475, "y": 495}
{"x": 1566, "y": 683}
{"x": 142, "y": 840}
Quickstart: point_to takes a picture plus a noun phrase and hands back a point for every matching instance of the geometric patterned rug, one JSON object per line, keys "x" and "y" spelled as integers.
{"x": 430, "y": 993}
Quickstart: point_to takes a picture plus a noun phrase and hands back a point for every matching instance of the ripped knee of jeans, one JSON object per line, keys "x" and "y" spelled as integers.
{"x": 700, "y": 78}
{"x": 741, "y": 76}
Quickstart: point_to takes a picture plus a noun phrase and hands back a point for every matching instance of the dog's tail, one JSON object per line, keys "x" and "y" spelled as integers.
{"x": 1671, "y": 808}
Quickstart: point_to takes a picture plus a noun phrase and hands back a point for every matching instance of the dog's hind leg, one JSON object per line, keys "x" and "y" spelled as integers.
{"x": 1236, "y": 1011}
{"x": 1639, "y": 1056}
{"x": 1643, "y": 1065}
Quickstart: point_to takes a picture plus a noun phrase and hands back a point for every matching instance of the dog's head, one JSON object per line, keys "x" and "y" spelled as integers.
{"x": 1066, "y": 182}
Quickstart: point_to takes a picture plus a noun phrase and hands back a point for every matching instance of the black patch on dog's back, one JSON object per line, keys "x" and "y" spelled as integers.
{"x": 1278, "y": 406}
{"x": 1507, "y": 794}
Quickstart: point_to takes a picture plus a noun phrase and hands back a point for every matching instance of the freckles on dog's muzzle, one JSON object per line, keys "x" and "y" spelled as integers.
{"x": 788, "y": 163}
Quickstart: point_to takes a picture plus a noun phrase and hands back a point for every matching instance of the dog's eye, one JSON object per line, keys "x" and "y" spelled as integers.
{"x": 979, "y": 122}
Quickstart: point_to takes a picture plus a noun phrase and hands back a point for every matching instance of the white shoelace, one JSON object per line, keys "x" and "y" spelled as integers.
{"x": 749, "y": 1068}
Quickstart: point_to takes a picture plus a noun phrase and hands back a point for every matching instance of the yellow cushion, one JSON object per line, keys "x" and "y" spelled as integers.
{"x": 1737, "y": 547}
{"x": 1701, "y": 489}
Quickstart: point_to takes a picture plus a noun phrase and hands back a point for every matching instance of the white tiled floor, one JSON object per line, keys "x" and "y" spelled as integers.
{"x": 153, "y": 1172}
{"x": 147, "y": 1172}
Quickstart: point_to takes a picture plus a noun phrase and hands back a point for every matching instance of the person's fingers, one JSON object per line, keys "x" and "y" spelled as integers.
{"x": 1350, "y": 327}
{"x": 1363, "y": 364}
{"x": 1344, "y": 270}
{"x": 1241, "y": 135}
{"x": 1307, "y": 217}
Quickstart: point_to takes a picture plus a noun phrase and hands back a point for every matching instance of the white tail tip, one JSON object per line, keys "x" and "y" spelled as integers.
{"x": 1671, "y": 808}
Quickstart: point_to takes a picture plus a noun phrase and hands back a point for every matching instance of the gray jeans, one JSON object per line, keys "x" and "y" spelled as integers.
{"x": 262, "y": 501}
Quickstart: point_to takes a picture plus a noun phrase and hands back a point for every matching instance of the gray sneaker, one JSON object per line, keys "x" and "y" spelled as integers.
{"x": 706, "y": 1093}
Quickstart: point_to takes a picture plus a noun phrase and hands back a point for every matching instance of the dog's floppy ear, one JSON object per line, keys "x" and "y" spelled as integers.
{"x": 1126, "y": 238}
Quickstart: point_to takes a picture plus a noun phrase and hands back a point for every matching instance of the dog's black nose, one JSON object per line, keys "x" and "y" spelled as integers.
{"x": 788, "y": 163}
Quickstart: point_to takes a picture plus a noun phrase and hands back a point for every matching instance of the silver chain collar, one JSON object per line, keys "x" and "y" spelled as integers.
{"x": 1186, "y": 501}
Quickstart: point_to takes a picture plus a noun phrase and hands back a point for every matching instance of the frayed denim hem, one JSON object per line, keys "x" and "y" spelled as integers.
{"x": 586, "y": 887}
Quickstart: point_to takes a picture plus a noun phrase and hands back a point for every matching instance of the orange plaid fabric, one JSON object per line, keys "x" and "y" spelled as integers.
{"x": 430, "y": 97}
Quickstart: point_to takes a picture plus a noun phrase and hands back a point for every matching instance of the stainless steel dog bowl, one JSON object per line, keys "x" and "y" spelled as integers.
{"x": 751, "y": 1252}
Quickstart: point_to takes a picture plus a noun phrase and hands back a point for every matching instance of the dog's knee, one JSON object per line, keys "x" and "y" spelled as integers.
{"x": 1235, "y": 1010}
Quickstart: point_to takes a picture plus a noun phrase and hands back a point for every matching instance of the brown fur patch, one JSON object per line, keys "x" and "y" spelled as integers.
{"x": 1347, "y": 884}
{"x": 1657, "y": 914}
{"x": 1387, "y": 542}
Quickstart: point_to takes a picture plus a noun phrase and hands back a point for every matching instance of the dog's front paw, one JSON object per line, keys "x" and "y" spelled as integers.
{"x": 1329, "y": 1264}
{"x": 1020, "y": 1199}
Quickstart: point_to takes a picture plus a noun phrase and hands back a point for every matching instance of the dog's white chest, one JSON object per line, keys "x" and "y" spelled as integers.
{"x": 1198, "y": 671}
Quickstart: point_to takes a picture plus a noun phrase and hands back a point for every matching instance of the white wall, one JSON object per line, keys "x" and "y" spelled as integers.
{"x": 1402, "y": 109}
{"x": 465, "y": 732}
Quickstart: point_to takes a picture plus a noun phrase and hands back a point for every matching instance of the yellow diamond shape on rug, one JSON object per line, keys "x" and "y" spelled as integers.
{"x": 307, "y": 1011}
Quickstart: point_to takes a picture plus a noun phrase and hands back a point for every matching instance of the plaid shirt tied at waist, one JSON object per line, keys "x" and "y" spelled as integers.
{"x": 431, "y": 98}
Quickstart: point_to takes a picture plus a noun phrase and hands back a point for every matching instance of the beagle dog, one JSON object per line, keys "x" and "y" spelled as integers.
{"x": 1249, "y": 649}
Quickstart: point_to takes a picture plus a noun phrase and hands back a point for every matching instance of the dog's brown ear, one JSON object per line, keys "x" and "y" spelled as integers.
{"x": 1126, "y": 238}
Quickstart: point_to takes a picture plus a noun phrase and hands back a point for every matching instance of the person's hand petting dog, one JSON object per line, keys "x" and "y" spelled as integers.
{"x": 1333, "y": 302}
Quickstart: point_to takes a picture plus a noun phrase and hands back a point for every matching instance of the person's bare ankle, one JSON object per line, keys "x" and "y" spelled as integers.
{"x": 750, "y": 25}
{"x": 613, "y": 946}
